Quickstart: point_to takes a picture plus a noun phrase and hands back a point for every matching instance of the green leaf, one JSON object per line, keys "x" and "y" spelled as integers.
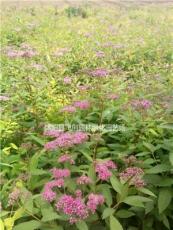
{"x": 29, "y": 225}
{"x": 3, "y": 213}
{"x": 37, "y": 172}
{"x": 52, "y": 227}
{"x": 146, "y": 191}
{"x": 158, "y": 169}
{"x": 124, "y": 213}
{"x": 105, "y": 190}
{"x": 91, "y": 173}
{"x": 167, "y": 126}
{"x": 164, "y": 199}
{"x": 49, "y": 214}
{"x": 14, "y": 146}
{"x": 107, "y": 212}
{"x": 116, "y": 184}
{"x": 136, "y": 201}
{"x": 166, "y": 221}
{"x": 4, "y": 164}
{"x": 86, "y": 155}
{"x": 115, "y": 224}
{"x": 36, "y": 139}
{"x": 81, "y": 225}
{"x": 149, "y": 146}
{"x": 171, "y": 157}
{"x": 34, "y": 161}
{"x": 1, "y": 225}
{"x": 107, "y": 114}
{"x": 124, "y": 193}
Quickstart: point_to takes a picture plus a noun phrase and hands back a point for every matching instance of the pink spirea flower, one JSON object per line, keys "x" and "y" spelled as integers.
{"x": 130, "y": 160}
{"x": 110, "y": 164}
{"x": 78, "y": 193}
{"x": 93, "y": 201}
{"x": 25, "y": 51}
{"x": 82, "y": 104}
{"x": 112, "y": 96}
{"x": 75, "y": 208}
{"x": 68, "y": 109}
{"x": 99, "y": 73}
{"x": 133, "y": 175}
{"x": 48, "y": 195}
{"x": 52, "y": 133}
{"x": 83, "y": 87}
{"x": 67, "y": 139}
{"x": 103, "y": 169}
{"x": 107, "y": 44}
{"x": 66, "y": 158}
{"x": 141, "y": 104}
{"x": 38, "y": 67}
{"x": 28, "y": 53}
{"x": 60, "y": 173}
{"x": 55, "y": 183}
{"x": 84, "y": 180}
{"x": 4, "y": 98}
{"x": 14, "y": 196}
{"x": 100, "y": 54}
{"x": 79, "y": 137}
{"x": 14, "y": 53}
{"x": 67, "y": 80}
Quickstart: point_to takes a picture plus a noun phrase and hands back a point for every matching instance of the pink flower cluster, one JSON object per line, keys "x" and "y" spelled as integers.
{"x": 60, "y": 173}
{"x": 68, "y": 109}
{"x": 133, "y": 175}
{"x": 141, "y": 104}
{"x": 67, "y": 80}
{"x": 103, "y": 169}
{"x": 66, "y": 158}
{"x": 78, "y": 193}
{"x": 48, "y": 193}
{"x": 99, "y": 73}
{"x": 112, "y": 96}
{"x": 26, "y": 51}
{"x": 100, "y": 54}
{"x": 114, "y": 46}
{"x": 75, "y": 207}
{"x": 39, "y": 67}
{"x": 67, "y": 139}
{"x": 84, "y": 180}
{"x": 130, "y": 160}
{"x": 83, "y": 87}
{"x": 52, "y": 133}
{"x": 14, "y": 196}
{"x": 82, "y": 104}
{"x": 4, "y": 98}
{"x": 93, "y": 201}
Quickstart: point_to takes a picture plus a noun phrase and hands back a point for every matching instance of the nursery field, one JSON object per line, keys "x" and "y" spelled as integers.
{"x": 86, "y": 117}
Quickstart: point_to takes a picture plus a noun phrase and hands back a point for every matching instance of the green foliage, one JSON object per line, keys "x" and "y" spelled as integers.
{"x": 76, "y": 11}
{"x": 136, "y": 44}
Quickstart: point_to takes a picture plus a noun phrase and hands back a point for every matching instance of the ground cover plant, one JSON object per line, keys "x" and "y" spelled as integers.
{"x": 87, "y": 117}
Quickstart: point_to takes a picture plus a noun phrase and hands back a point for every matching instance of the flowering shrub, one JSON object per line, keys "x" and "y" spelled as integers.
{"x": 86, "y": 108}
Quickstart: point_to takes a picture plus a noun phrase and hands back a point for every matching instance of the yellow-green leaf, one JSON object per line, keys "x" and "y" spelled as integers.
{"x": 115, "y": 224}
{"x": 1, "y": 225}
